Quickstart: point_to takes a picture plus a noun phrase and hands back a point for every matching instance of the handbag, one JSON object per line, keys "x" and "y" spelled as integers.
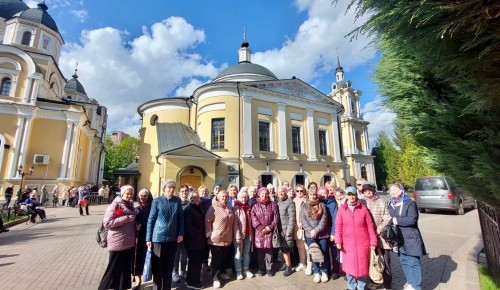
{"x": 392, "y": 235}
{"x": 376, "y": 266}
{"x": 83, "y": 202}
{"x": 147, "y": 274}
{"x": 102, "y": 234}
{"x": 278, "y": 239}
{"x": 300, "y": 234}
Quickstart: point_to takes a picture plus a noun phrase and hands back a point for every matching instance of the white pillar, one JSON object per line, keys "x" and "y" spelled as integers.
{"x": 367, "y": 142}
{"x": 27, "y": 90}
{"x": 312, "y": 135}
{"x": 89, "y": 160}
{"x": 65, "y": 152}
{"x": 336, "y": 140}
{"x": 353, "y": 140}
{"x": 34, "y": 92}
{"x": 72, "y": 151}
{"x": 247, "y": 127}
{"x": 26, "y": 138}
{"x": 17, "y": 146}
{"x": 283, "y": 148}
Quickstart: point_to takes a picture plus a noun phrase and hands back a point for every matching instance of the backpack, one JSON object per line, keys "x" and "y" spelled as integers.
{"x": 315, "y": 253}
{"x": 102, "y": 234}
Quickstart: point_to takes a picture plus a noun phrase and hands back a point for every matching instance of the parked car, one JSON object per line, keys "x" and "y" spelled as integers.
{"x": 441, "y": 192}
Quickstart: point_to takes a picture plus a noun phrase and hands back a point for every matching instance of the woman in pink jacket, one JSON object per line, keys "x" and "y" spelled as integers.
{"x": 355, "y": 236}
{"x": 119, "y": 220}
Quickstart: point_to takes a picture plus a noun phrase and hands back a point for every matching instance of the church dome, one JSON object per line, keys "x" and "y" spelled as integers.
{"x": 9, "y": 8}
{"x": 40, "y": 15}
{"x": 246, "y": 68}
{"x": 75, "y": 85}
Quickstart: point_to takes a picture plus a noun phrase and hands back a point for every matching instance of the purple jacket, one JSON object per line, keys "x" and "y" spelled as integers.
{"x": 264, "y": 214}
{"x": 121, "y": 229}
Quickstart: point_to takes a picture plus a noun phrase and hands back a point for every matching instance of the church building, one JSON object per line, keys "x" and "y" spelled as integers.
{"x": 248, "y": 124}
{"x": 51, "y": 132}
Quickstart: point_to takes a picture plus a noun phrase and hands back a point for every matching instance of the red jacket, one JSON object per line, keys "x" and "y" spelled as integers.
{"x": 264, "y": 214}
{"x": 355, "y": 231}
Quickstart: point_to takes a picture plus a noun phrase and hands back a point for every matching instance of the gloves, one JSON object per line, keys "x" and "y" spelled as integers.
{"x": 208, "y": 234}
{"x": 237, "y": 255}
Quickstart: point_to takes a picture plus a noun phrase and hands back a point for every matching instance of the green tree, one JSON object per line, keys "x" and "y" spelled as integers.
{"x": 119, "y": 155}
{"x": 385, "y": 159}
{"x": 439, "y": 72}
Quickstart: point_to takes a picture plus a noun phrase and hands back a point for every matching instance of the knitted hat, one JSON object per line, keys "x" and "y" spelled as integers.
{"x": 124, "y": 188}
{"x": 167, "y": 181}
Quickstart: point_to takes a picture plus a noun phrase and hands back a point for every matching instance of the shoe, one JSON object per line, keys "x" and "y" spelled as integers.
{"x": 288, "y": 271}
{"x": 308, "y": 270}
{"x": 335, "y": 276}
{"x": 4, "y": 230}
{"x": 239, "y": 276}
{"x": 300, "y": 267}
{"x": 283, "y": 267}
{"x": 270, "y": 273}
{"x": 194, "y": 286}
{"x": 183, "y": 274}
{"x": 324, "y": 277}
{"x": 176, "y": 278}
{"x": 216, "y": 284}
{"x": 261, "y": 273}
{"x": 248, "y": 274}
{"x": 224, "y": 277}
{"x": 316, "y": 278}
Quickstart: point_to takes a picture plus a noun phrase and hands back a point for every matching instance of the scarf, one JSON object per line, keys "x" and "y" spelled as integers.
{"x": 402, "y": 197}
{"x": 245, "y": 207}
{"x": 314, "y": 210}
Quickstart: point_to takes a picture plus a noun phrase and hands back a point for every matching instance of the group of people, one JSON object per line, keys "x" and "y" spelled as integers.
{"x": 245, "y": 230}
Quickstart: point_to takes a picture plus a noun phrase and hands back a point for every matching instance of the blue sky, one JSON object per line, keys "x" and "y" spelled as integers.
{"x": 129, "y": 52}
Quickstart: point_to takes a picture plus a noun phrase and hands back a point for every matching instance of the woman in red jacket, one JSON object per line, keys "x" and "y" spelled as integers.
{"x": 355, "y": 236}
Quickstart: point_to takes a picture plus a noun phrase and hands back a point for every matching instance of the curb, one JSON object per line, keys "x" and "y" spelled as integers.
{"x": 14, "y": 223}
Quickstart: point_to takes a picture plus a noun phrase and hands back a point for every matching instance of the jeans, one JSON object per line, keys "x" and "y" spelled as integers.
{"x": 180, "y": 255}
{"x": 323, "y": 267}
{"x": 354, "y": 283}
{"x": 412, "y": 269}
{"x": 244, "y": 258}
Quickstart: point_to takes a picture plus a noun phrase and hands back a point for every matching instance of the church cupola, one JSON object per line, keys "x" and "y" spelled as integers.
{"x": 244, "y": 52}
{"x": 339, "y": 71}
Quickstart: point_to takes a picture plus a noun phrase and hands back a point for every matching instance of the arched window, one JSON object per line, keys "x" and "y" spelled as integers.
{"x": 363, "y": 173}
{"x": 26, "y": 38}
{"x": 5, "y": 86}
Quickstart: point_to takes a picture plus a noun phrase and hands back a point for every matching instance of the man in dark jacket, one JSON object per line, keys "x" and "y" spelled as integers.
{"x": 331, "y": 206}
{"x": 8, "y": 196}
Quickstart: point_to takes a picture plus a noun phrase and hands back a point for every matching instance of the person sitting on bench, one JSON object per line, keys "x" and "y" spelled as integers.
{"x": 34, "y": 209}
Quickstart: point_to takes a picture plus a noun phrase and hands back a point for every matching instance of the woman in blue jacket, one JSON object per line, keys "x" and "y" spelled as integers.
{"x": 165, "y": 231}
{"x": 404, "y": 214}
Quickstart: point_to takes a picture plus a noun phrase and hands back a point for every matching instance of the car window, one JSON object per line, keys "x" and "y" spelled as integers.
{"x": 431, "y": 183}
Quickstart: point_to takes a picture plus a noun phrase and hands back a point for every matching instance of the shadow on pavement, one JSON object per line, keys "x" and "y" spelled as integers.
{"x": 24, "y": 236}
{"x": 8, "y": 256}
{"x": 6, "y": 264}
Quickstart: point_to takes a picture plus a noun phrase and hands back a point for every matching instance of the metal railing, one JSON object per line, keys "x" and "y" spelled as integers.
{"x": 489, "y": 218}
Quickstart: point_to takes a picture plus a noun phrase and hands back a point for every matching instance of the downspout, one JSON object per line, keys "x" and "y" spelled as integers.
{"x": 189, "y": 111}
{"x": 159, "y": 176}
{"x": 240, "y": 160}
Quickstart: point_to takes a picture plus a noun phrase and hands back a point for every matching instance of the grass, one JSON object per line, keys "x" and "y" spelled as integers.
{"x": 486, "y": 280}
{"x": 6, "y": 221}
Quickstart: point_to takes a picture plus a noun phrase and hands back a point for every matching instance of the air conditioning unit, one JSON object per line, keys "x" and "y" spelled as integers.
{"x": 41, "y": 159}
{"x": 233, "y": 168}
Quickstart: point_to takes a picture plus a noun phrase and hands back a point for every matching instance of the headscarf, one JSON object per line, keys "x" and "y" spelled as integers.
{"x": 402, "y": 197}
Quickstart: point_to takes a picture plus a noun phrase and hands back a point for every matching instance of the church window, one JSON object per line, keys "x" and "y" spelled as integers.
{"x": 322, "y": 143}
{"x": 45, "y": 42}
{"x": 296, "y": 140}
{"x": 217, "y": 133}
{"x": 5, "y": 86}
{"x": 26, "y": 38}
{"x": 363, "y": 173}
{"x": 264, "y": 136}
{"x": 359, "y": 142}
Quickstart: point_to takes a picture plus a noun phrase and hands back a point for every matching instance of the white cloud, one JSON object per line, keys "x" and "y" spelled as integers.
{"x": 380, "y": 118}
{"x": 81, "y": 14}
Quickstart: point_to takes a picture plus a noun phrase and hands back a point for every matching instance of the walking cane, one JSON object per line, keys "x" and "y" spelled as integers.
{"x": 136, "y": 280}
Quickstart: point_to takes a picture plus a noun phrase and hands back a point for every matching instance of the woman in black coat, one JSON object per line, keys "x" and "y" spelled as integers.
{"x": 144, "y": 207}
{"x": 404, "y": 214}
{"x": 194, "y": 241}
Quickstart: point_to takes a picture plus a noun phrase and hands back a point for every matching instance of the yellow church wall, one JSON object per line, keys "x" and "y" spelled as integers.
{"x": 9, "y": 127}
{"x": 21, "y": 83}
{"x": 170, "y": 116}
{"x": 272, "y": 119}
{"x": 148, "y": 167}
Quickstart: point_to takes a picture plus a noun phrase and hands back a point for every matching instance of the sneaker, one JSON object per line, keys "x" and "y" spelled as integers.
{"x": 283, "y": 267}
{"x": 248, "y": 274}
{"x": 324, "y": 277}
{"x": 216, "y": 284}
{"x": 239, "y": 276}
{"x": 335, "y": 276}
{"x": 224, "y": 277}
{"x": 270, "y": 273}
{"x": 316, "y": 278}
{"x": 288, "y": 271}
{"x": 300, "y": 267}
{"x": 308, "y": 270}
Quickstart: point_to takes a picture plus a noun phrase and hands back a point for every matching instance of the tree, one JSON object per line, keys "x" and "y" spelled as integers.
{"x": 439, "y": 72}
{"x": 119, "y": 155}
{"x": 385, "y": 159}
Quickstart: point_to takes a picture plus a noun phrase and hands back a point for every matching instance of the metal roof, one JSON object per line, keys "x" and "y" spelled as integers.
{"x": 40, "y": 15}
{"x": 173, "y": 136}
{"x": 10, "y": 7}
{"x": 246, "y": 68}
{"x": 74, "y": 84}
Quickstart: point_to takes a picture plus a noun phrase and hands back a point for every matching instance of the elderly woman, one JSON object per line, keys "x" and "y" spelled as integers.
{"x": 242, "y": 250}
{"x": 355, "y": 236}
{"x": 331, "y": 208}
{"x": 221, "y": 229}
{"x": 286, "y": 226}
{"x": 195, "y": 242}
{"x": 272, "y": 191}
{"x": 143, "y": 210}
{"x": 165, "y": 230}
{"x": 55, "y": 195}
{"x": 300, "y": 198}
{"x": 232, "y": 190}
{"x": 265, "y": 218}
{"x": 404, "y": 214}
{"x": 180, "y": 254}
{"x": 252, "y": 195}
{"x": 314, "y": 220}
{"x": 119, "y": 219}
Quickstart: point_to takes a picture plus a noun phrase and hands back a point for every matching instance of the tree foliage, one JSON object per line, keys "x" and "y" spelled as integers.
{"x": 440, "y": 72}
{"x": 119, "y": 155}
{"x": 385, "y": 154}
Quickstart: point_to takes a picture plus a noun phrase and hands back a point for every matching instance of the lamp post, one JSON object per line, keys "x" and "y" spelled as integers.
{"x": 22, "y": 173}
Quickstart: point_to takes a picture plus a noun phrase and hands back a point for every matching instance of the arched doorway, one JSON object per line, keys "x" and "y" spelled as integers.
{"x": 192, "y": 175}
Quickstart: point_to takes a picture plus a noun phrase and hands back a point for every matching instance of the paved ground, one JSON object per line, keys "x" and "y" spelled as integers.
{"x": 61, "y": 253}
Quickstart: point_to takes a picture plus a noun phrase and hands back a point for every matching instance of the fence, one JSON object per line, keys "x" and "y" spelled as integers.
{"x": 490, "y": 228}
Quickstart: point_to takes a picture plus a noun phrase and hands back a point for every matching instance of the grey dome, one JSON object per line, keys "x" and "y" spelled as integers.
{"x": 343, "y": 84}
{"x": 246, "y": 68}
{"x": 10, "y": 7}
{"x": 40, "y": 15}
{"x": 74, "y": 84}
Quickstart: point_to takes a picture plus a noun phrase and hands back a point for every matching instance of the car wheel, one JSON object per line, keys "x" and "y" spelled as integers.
{"x": 421, "y": 210}
{"x": 460, "y": 210}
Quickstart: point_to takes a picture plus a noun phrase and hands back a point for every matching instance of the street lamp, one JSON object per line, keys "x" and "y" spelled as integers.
{"x": 22, "y": 173}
